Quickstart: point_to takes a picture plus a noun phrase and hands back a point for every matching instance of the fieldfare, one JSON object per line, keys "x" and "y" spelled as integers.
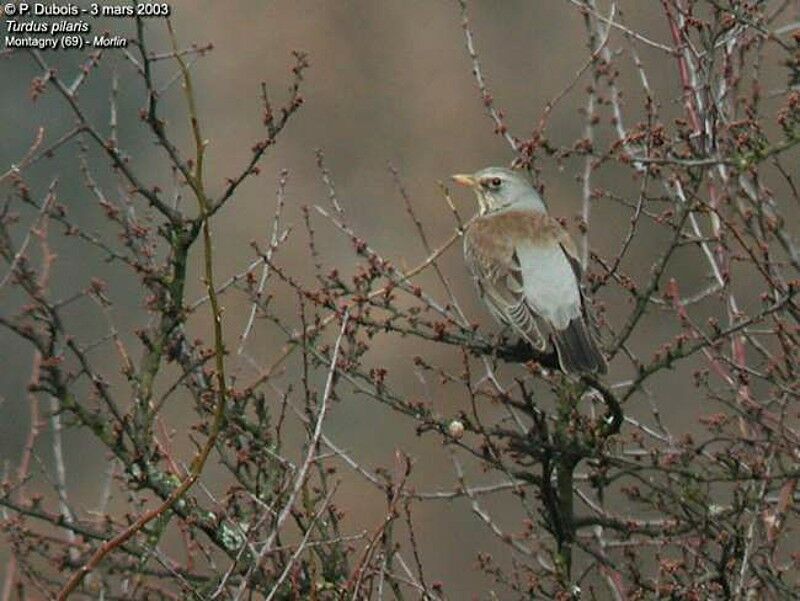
{"x": 526, "y": 268}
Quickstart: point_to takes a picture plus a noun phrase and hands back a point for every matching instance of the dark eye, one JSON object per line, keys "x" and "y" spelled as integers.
{"x": 496, "y": 181}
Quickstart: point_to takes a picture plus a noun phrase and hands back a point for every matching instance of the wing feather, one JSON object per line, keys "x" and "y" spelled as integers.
{"x": 498, "y": 275}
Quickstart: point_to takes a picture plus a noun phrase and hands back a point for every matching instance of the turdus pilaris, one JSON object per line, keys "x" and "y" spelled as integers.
{"x": 526, "y": 269}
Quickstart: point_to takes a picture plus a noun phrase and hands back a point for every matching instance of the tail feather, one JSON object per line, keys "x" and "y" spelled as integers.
{"x": 577, "y": 350}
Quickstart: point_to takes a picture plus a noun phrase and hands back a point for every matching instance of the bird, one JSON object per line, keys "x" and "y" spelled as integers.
{"x": 526, "y": 269}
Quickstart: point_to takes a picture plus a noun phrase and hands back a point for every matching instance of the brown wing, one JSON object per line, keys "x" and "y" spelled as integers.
{"x": 497, "y": 273}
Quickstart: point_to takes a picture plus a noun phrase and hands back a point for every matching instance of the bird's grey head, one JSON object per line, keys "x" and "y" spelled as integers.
{"x": 498, "y": 188}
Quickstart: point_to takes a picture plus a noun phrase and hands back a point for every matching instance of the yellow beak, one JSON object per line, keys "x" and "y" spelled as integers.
{"x": 464, "y": 180}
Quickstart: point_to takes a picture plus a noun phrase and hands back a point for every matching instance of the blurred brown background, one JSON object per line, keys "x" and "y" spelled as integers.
{"x": 390, "y": 82}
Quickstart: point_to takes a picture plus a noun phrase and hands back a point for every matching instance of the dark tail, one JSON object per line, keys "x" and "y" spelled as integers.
{"x": 577, "y": 349}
